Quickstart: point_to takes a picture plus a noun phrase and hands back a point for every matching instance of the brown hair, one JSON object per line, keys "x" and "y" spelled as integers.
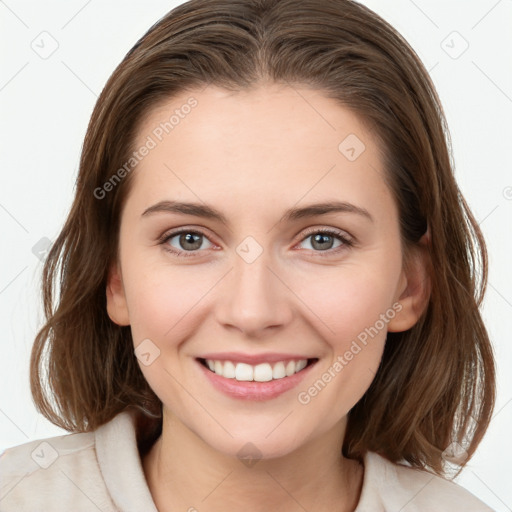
{"x": 436, "y": 381}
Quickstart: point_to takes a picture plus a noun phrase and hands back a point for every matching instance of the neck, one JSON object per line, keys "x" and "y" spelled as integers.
{"x": 185, "y": 473}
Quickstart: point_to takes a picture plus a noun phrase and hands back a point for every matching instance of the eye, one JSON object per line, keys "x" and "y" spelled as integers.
{"x": 322, "y": 241}
{"x": 187, "y": 241}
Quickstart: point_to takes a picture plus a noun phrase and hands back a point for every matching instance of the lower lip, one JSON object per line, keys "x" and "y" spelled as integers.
{"x": 251, "y": 390}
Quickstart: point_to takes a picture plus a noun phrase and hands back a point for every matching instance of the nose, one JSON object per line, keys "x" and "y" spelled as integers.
{"x": 254, "y": 297}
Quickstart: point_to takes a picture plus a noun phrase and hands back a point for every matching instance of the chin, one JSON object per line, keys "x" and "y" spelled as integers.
{"x": 248, "y": 443}
{"x": 250, "y": 450}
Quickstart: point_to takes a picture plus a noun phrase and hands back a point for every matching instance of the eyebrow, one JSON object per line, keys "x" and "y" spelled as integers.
{"x": 208, "y": 212}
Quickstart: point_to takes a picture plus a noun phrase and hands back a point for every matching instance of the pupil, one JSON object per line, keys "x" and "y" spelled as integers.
{"x": 188, "y": 238}
{"x": 191, "y": 238}
{"x": 321, "y": 239}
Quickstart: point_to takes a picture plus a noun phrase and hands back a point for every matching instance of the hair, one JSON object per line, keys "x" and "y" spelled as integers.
{"x": 436, "y": 381}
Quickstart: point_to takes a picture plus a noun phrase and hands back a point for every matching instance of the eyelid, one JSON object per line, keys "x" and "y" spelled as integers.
{"x": 345, "y": 238}
{"x": 327, "y": 230}
{"x": 167, "y": 235}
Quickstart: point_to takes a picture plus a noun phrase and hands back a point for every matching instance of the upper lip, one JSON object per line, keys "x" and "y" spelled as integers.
{"x": 253, "y": 359}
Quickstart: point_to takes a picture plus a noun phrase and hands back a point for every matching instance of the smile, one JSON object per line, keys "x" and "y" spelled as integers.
{"x": 263, "y": 372}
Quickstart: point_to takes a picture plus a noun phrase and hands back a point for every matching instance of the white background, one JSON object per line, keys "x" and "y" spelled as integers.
{"x": 46, "y": 105}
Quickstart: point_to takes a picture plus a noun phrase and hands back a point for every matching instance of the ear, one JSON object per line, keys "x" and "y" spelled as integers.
{"x": 117, "y": 307}
{"x": 413, "y": 292}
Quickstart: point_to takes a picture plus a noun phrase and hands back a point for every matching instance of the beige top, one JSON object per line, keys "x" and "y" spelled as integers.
{"x": 102, "y": 471}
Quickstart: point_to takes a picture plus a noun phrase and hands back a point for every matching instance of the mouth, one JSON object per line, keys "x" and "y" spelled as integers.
{"x": 264, "y": 372}
{"x": 255, "y": 382}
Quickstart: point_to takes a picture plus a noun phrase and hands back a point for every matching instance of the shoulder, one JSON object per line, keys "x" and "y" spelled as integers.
{"x": 79, "y": 472}
{"x": 56, "y": 473}
{"x": 391, "y": 487}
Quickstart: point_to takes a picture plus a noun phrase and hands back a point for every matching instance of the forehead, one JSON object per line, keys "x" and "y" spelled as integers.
{"x": 270, "y": 145}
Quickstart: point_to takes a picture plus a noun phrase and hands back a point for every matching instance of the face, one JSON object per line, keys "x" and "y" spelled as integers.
{"x": 259, "y": 285}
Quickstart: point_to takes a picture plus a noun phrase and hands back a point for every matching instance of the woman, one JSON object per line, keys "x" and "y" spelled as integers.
{"x": 267, "y": 292}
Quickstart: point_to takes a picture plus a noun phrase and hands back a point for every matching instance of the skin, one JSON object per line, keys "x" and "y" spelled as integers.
{"x": 252, "y": 155}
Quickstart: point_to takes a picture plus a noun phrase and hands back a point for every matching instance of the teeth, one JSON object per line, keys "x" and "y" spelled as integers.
{"x": 259, "y": 373}
{"x": 229, "y": 370}
{"x": 279, "y": 371}
{"x": 242, "y": 371}
{"x": 301, "y": 365}
{"x": 262, "y": 372}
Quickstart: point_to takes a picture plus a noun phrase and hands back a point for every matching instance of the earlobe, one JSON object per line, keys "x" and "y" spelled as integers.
{"x": 117, "y": 308}
{"x": 414, "y": 291}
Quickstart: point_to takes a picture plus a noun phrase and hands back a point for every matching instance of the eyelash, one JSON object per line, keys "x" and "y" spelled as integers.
{"x": 346, "y": 242}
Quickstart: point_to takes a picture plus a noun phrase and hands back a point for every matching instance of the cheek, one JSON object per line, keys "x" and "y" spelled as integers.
{"x": 355, "y": 347}
{"x": 162, "y": 299}
{"x": 352, "y": 313}
{"x": 347, "y": 300}
{"x": 163, "y": 305}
